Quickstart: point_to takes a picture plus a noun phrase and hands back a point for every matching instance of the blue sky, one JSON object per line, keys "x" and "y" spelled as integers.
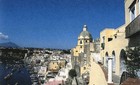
{"x": 56, "y": 23}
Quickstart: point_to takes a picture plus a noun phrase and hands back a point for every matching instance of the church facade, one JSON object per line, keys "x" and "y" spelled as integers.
{"x": 81, "y": 53}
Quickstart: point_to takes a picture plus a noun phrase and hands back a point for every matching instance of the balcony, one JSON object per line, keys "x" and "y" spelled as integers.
{"x": 133, "y": 27}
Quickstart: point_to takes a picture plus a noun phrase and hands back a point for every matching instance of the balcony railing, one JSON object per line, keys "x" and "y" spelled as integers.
{"x": 133, "y": 27}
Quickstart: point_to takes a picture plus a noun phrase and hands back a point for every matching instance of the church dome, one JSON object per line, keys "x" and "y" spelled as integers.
{"x": 85, "y": 34}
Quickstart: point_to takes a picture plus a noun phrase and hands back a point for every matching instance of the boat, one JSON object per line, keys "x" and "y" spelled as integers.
{"x": 6, "y": 67}
{"x": 14, "y": 69}
{"x": 16, "y": 83}
{"x": 8, "y": 76}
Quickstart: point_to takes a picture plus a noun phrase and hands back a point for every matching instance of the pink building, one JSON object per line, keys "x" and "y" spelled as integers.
{"x": 54, "y": 82}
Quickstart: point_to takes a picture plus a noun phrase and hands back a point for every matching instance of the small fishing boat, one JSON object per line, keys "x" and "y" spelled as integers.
{"x": 8, "y": 76}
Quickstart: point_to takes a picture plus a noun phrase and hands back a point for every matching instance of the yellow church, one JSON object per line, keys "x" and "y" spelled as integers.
{"x": 81, "y": 53}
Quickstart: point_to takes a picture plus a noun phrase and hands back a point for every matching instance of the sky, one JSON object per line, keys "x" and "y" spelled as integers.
{"x": 56, "y": 23}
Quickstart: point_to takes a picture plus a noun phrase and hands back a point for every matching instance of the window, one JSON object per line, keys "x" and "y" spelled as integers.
{"x": 103, "y": 46}
{"x": 132, "y": 11}
{"x": 103, "y": 39}
{"x": 85, "y": 62}
{"x": 85, "y": 55}
{"x": 84, "y": 68}
{"x": 80, "y": 46}
{"x": 115, "y": 35}
{"x": 109, "y": 39}
{"x": 139, "y": 6}
{"x": 80, "y": 42}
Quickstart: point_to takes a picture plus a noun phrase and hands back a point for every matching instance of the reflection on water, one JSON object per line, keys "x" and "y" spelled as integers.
{"x": 14, "y": 73}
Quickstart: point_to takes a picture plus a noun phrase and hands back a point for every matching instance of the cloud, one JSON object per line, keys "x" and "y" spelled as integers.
{"x": 3, "y": 36}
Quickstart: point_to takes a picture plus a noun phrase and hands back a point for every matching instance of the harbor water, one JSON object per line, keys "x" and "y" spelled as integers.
{"x": 14, "y": 74}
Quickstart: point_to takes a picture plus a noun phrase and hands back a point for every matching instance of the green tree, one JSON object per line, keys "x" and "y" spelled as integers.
{"x": 72, "y": 73}
{"x": 133, "y": 61}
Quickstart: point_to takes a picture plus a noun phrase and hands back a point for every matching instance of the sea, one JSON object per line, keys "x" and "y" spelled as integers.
{"x": 14, "y": 73}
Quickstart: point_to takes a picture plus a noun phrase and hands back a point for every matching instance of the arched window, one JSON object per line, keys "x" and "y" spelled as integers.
{"x": 114, "y": 60}
{"x": 80, "y": 41}
{"x": 123, "y": 59}
{"x": 106, "y": 59}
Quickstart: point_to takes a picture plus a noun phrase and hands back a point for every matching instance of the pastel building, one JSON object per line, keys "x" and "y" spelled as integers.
{"x": 113, "y": 41}
{"x": 132, "y": 21}
{"x": 56, "y": 65}
{"x": 113, "y": 45}
{"x": 81, "y": 53}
